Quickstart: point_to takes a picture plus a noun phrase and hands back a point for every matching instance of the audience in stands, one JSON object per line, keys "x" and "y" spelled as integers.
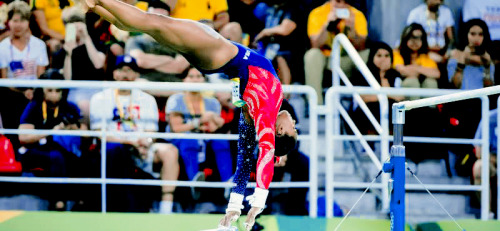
{"x": 4, "y": 30}
{"x": 23, "y": 56}
{"x": 133, "y": 111}
{"x": 278, "y": 37}
{"x": 158, "y": 63}
{"x": 412, "y": 59}
{"x": 214, "y": 11}
{"x": 191, "y": 112}
{"x": 326, "y": 21}
{"x": 80, "y": 59}
{"x": 380, "y": 65}
{"x": 49, "y": 24}
{"x": 486, "y": 10}
{"x": 438, "y": 23}
{"x": 470, "y": 66}
{"x": 50, "y": 155}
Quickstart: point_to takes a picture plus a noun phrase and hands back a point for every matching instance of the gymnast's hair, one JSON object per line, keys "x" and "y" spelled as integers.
{"x": 284, "y": 144}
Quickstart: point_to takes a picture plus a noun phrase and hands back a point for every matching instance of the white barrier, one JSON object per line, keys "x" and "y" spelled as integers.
{"x": 312, "y": 184}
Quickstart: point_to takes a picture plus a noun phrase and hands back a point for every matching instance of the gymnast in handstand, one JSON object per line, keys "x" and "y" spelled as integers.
{"x": 256, "y": 88}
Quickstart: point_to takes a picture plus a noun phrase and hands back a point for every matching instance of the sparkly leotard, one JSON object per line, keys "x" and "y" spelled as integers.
{"x": 261, "y": 89}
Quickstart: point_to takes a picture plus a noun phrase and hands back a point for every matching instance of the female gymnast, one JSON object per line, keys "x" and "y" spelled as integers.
{"x": 256, "y": 88}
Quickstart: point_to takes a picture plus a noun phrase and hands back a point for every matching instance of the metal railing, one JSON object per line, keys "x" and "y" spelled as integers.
{"x": 333, "y": 117}
{"x": 311, "y": 137}
{"x": 484, "y": 141}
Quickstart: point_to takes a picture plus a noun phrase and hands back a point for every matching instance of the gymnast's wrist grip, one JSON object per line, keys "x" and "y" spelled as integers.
{"x": 235, "y": 202}
{"x": 259, "y": 197}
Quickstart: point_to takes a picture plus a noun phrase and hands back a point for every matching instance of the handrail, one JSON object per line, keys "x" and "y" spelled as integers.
{"x": 312, "y": 184}
{"x": 382, "y": 128}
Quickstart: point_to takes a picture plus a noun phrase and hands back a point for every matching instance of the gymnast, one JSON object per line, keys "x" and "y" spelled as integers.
{"x": 256, "y": 88}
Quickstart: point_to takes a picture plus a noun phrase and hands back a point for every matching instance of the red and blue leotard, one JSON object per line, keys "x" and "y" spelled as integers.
{"x": 261, "y": 89}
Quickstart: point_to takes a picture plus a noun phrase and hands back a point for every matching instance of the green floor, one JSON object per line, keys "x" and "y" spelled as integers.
{"x": 71, "y": 221}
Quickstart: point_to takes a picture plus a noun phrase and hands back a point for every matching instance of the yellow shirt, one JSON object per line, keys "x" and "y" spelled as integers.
{"x": 199, "y": 9}
{"x": 319, "y": 18}
{"x": 52, "y": 12}
{"x": 422, "y": 60}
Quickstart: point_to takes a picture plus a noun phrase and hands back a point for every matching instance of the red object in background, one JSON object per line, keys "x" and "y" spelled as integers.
{"x": 227, "y": 115}
{"x": 454, "y": 121}
{"x": 208, "y": 172}
{"x": 8, "y": 161}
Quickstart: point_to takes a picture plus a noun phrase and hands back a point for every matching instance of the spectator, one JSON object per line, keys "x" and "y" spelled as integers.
{"x": 4, "y": 31}
{"x": 326, "y": 21}
{"x": 48, "y": 155}
{"x": 190, "y": 112}
{"x": 23, "y": 56}
{"x": 380, "y": 64}
{"x": 487, "y": 10}
{"x": 242, "y": 12}
{"x": 277, "y": 38}
{"x": 412, "y": 59}
{"x": 438, "y": 23}
{"x": 476, "y": 170}
{"x": 128, "y": 111}
{"x": 470, "y": 66}
{"x": 197, "y": 10}
{"x": 80, "y": 59}
{"x": 158, "y": 62}
{"x": 48, "y": 18}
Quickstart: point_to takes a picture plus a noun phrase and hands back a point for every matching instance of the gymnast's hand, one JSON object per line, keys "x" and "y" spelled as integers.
{"x": 228, "y": 219}
{"x": 252, "y": 214}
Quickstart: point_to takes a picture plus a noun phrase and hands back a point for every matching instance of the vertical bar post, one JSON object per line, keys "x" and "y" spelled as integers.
{"x": 396, "y": 167}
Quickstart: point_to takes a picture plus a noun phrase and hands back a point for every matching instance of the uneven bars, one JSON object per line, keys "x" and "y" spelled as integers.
{"x": 408, "y": 105}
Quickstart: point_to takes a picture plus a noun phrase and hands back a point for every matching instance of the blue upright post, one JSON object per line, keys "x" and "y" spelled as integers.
{"x": 396, "y": 167}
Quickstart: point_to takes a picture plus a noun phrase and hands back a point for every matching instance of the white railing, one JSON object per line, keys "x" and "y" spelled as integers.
{"x": 342, "y": 42}
{"x": 312, "y": 137}
{"x": 484, "y": 141}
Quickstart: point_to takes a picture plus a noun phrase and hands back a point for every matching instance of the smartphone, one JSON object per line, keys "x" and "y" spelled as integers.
{"x": 342, "y": 13}
{"x": 70, "y": 32}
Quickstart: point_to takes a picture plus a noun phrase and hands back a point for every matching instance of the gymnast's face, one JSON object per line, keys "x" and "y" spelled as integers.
{"x": 285, "y": 124}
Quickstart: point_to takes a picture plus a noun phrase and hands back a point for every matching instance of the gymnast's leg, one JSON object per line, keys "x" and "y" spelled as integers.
{"x": 201, "y": 45}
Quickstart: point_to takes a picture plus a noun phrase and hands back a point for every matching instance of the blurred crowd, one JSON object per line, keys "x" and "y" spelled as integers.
{"x": 57, "y": 40}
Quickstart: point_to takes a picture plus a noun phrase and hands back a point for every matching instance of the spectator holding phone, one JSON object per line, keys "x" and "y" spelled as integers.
{"x": 324, "y": 23}
{"x": 470, "y": 65}
{"x": 79, "y": 58}
{"x": 50, "y": 155}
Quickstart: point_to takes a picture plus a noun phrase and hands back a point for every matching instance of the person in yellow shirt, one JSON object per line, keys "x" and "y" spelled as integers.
{"x": 326, "y": 21}
{"x": 198, "y": 10}
{"x": 48, "y": 15}
{"x": 412, "y": 59}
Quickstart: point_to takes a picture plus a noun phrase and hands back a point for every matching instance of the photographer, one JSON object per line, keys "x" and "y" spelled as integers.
{"x": 324, "y": 23}
{"x": 50, "y": 155}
